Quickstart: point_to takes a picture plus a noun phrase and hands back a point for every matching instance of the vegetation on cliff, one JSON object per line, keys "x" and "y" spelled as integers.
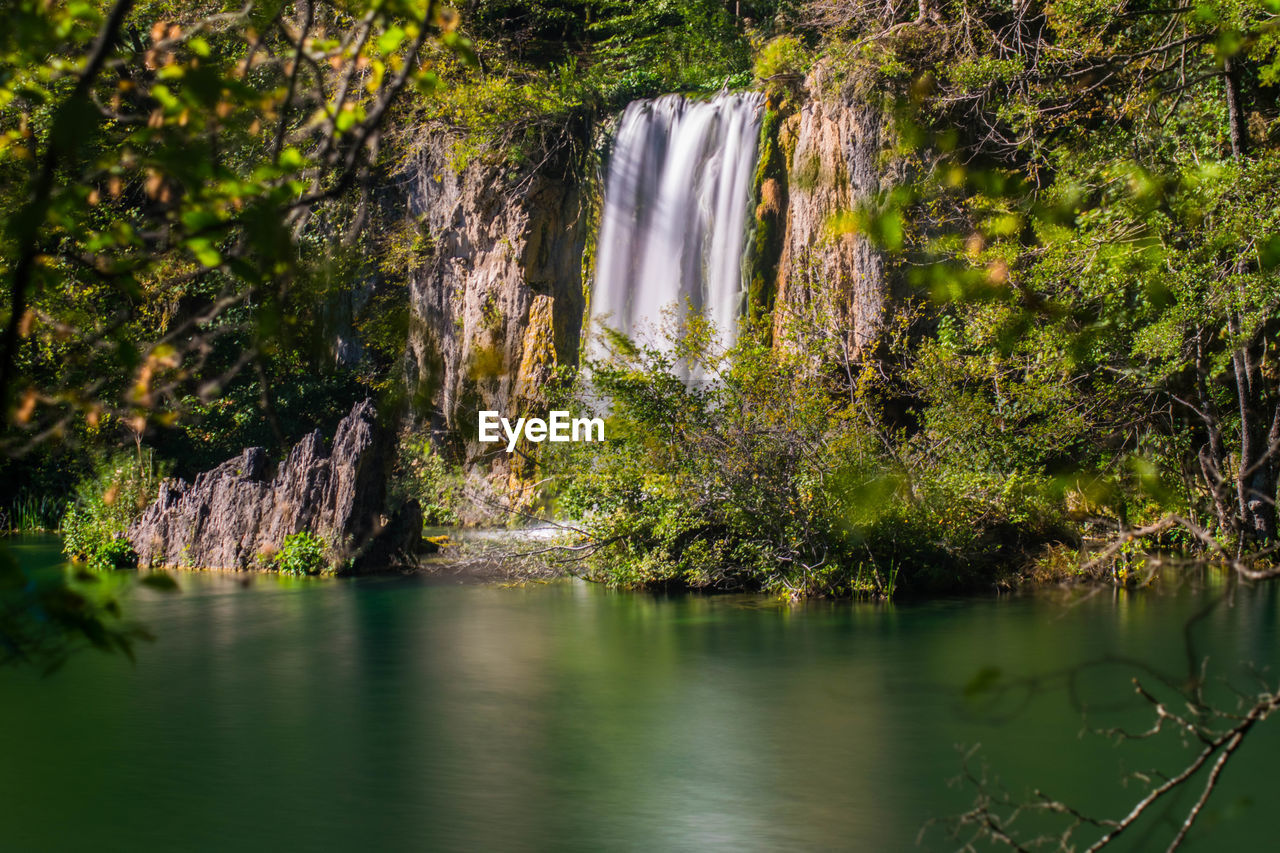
{"x": 549, "y": 69}
{"x": 1078, "y": 371}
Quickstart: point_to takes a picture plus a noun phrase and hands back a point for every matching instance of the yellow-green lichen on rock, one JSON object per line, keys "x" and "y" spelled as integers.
{"x": 770, "y": 192}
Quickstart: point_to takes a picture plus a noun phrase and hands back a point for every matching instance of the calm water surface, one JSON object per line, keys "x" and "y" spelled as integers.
{"x": 400, "y": 714}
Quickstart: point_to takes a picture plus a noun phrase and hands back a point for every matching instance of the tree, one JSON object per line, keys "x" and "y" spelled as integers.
{"x": 163, "y": 171}
{"x": 160, "y": 176}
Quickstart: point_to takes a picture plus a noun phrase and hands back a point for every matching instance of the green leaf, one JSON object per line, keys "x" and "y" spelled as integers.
{"x": 461, "y": 47}
{"x": 204, "y": 251}
{"x": 291, "y": 159}
{"x": 199, "y": 218}
{"x": 391, "y": 39}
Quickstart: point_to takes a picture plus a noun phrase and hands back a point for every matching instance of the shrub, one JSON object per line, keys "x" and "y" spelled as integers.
{"x": 422, "y": 474}
{"x": 114, "y": 553}
{"x": 105, "y": 504}
{"x": 302, "y": 553}
{"x": 780, "y": 477}
{"x": 784, "y": 55}
{"x": 739, "y": 482}
{"x": 627, "y": 87}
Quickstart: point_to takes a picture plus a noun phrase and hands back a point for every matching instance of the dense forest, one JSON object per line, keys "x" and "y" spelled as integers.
{"x": 1066, "y": 369}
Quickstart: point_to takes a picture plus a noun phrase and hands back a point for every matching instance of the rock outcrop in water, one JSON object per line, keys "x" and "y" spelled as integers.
{"x": 496, "y": 300}
{"x": 238, "y": 514}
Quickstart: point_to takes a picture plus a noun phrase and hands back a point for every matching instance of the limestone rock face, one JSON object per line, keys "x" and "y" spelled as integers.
{"x": 496, "y": 300}
{"x": 239, "y": 513}
{"x": 496, "y": 282}
{"x": 835, "y": 149}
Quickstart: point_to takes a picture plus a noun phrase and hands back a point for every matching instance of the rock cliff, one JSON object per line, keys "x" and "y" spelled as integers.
{"x": 496, "y": 300}
{"x": 835, "y": 149}
{"x": 238, "y": 514}
{"x": 496, "y": 283}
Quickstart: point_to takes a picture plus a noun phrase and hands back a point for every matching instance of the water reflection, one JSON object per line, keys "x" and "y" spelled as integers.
{"x": 392, "y": 714}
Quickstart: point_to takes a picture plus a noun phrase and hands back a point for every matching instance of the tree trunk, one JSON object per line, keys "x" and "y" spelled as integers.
{"x": 1237, "y": 124}
{"x": 1253, "y": 477}
{"x": 1212, "y": 457}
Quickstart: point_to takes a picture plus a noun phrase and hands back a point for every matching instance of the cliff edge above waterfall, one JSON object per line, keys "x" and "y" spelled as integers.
{"x": 497, "y": 292}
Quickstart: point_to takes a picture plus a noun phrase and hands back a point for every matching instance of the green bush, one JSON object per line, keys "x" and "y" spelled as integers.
{"x": 739, "y": 483}
{"x": 302, "y": 553}
{"x": 422, "y": 474}
{"x": 784, "y": 55}
{"x": 105, "y": 504}
{"x": 115, "y": 553}
{"x": 780, "y": 477}
{"x": 639, "y": 83}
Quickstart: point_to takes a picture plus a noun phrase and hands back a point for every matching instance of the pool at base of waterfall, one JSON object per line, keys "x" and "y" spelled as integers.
{"x": 398, "y": 713}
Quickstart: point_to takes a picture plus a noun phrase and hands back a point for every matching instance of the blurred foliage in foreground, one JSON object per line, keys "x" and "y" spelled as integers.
{"x": 49, "y": 610}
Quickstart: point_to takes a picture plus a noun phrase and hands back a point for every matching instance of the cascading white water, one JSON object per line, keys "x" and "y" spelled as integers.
{"x": 674, "y": 229}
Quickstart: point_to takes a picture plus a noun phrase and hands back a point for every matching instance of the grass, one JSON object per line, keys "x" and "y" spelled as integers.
{"x": 31, "y": 513}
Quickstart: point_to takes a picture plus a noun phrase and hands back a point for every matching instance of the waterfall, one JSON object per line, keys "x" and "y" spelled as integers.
{"x": 674, "y": 229}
